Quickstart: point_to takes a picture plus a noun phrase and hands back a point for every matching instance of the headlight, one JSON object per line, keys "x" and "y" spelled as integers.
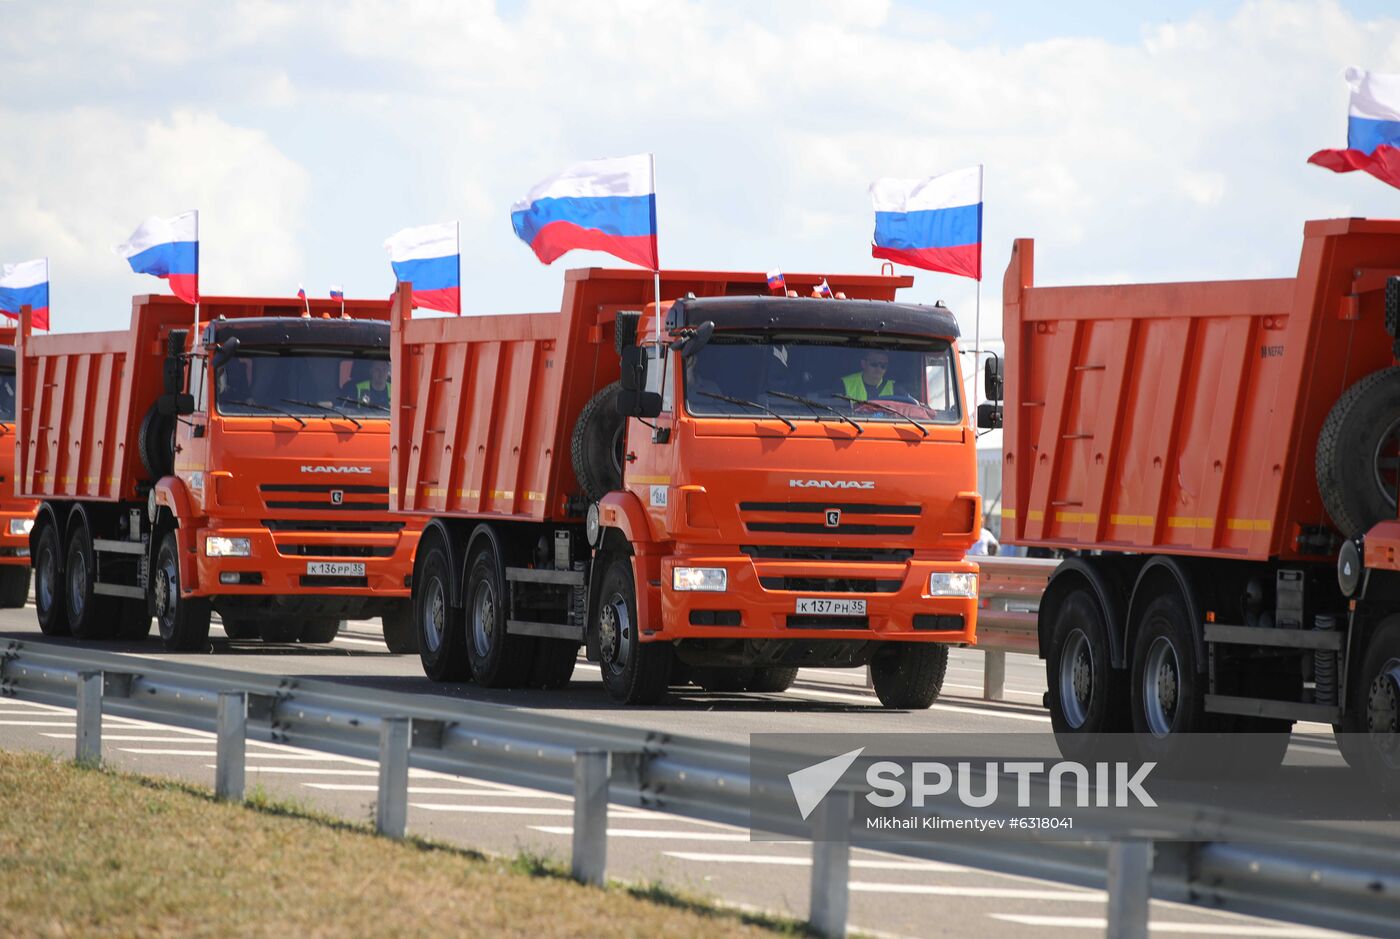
{"x": 952, "y": 585}
{"x": 21, "y": 526}
{"x": 217, "y": 546}
{"x": 714, "y": 579}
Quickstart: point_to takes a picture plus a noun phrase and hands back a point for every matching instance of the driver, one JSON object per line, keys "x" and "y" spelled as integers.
{"x": 870, "y": 381}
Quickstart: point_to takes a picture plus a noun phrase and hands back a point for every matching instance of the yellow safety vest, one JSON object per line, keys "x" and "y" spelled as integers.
{"x": 362, "y": 389}
{"x": 855, "y": 387}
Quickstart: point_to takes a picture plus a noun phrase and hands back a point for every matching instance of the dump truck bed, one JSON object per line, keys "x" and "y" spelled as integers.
{"x": 1184, "y": 417}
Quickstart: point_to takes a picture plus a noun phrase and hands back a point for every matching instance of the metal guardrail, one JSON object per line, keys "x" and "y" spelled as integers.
{"x": 1003, "y": 584}
{"x": 1355, "y": 887}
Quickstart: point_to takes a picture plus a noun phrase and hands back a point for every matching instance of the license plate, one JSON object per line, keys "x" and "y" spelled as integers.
{"x": 816, "y": 606}
{"x": 335, "y": 568}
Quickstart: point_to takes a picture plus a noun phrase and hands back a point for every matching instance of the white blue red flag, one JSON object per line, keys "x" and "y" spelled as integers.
{"x": 934, "y": 223}
{"x": 26, "y": 284}
{"x": 429, "y": 257}
{"x": 602, "y": 205}
{"x": 338, "y": 294}
{"x": 777, "y": 282}
{"x": 822, "y": 290}
{"x": 301, "y": 292}
{"x": 168, "y": 248}
{"x": 1373, "y": 129}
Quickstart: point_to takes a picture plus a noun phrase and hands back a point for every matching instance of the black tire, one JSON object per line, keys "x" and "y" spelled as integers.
{"x": 14, "y": 586}
{"x": 321, "y": 629}
{"x": 1358, "y": 454}
{"x": 499, "y": 660}
{"x": 183, "y": 621}
{"x": 1375, "y": 708}
{"x": 634, "y": 672}
{"x": 553, "y": 665}
{"x": 442, "y": 638}
{"x": 281, "y": 628}
{"x": 599, "y": 439}
{"x": 241, "y": 628}
{"x": 156, "y": 443}
{"x": 773, "y": 679}
{"x": 908, "y": 676}
{"x": 399, "y": 633}
{"x": 626, "y": 332}
{"x": 1167, "y": 692}
{"x": 1087, "y": 695}
{"x": 134, "y": 622}
{"x": 90, "y": 615}
{"x": 49, "y": 603}
{"x": 723, "y": 679}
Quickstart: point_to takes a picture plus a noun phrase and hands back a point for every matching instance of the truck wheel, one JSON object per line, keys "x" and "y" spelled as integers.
{"x": 553, "y": 664}
{"x": 1376, "y": 705}
{"x": 281, "y": 628}
{"x": 599, "y": 438}
{"x": 156, "y": 443}
{"x": 321, "y": 629}
{"x": 239, "y": 628}
{"x": 399, "y": 634}
{"x": 90, "y": 615}
{"x": 772, "y": 680}
{"x": 625, "y": 331}
{"x": 1087, "y": 696}
{"x": 1167, "y": 698}
{"x": 442, "y": 640}
{"x": 135, "y": 621}
{"x": 48, "y": 582}
{"x": 498, "y": 660}
{"x": 14, "y": 587}
{"x": 908, "y": 675}
{"x": 634, "y": 672}
{"x": 183, "y": 621}
{"x": 1358, "y": 454}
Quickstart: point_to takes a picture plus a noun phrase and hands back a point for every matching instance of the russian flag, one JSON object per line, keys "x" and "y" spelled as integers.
{"x": 337, "y": 294}
{"x": 602, "y": 205}
{"x": 777, "y": 282}
{"x": 301, "y": 292}
{"x": 26, "y": 284}
{"x": 1373, "y": 129}
{"x": 168, "y": 248}
{"x": 933, "y": 223}
{"x": 430, "y": 259}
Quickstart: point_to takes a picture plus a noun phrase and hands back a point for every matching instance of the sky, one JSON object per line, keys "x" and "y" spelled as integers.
{"x": 1133, "y": 144}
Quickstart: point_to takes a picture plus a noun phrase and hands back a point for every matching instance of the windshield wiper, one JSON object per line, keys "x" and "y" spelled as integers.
{"x": 814, "y": 405}
{"x": 363, "y": 404}
{"x": 887, "y": 409}
{"x": 263, "y": 407}
{"x": 325, "y": 407}
{"x": 747, "y": 403}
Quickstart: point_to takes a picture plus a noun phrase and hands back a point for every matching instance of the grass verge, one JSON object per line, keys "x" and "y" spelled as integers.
{"x": 91, "y": 852}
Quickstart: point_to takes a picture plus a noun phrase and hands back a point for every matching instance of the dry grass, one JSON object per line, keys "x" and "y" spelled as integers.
{"x": 95, "y": 853}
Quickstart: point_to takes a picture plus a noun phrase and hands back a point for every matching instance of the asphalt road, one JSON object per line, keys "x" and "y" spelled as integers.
{"x": 889, "y": 896}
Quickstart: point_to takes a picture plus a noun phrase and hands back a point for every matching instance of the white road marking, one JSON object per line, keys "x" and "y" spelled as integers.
{"x": 59, "y": 723}
{"x": 648, "y": 833}
{"x": 125, "y": 738}
{"x": 990, "y": 893}
{"x": 363, "y": 642}
{"x": 319, "y": 771}
{"x": 937, "y": 705}
{"x": 435, "y": 791}
{"x": 1203, "y": 929}
{"x": 783, "y": 860}
{"x": 320, "y": 757}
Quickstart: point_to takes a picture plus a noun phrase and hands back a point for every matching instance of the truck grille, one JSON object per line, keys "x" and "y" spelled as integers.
{"x": 303, "y": 525}
{"x": 778, "y": 552}
{"x": 831, "y": 584}
{"x": 321, "y": 498}
{"x": 336, "y": 550}
{"x": 869, "y": 514}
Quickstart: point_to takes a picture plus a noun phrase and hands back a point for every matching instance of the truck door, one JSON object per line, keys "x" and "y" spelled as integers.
{"x": 192, "y": 437}
{"x": 649, "y": 462}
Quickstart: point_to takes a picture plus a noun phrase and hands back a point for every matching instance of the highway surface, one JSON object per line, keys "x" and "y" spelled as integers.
{"x": 889, "y": 896}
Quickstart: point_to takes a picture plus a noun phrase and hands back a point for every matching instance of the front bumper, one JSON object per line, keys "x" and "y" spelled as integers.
{"x": 900, "y": 610}
{"x": 279, "y": 563}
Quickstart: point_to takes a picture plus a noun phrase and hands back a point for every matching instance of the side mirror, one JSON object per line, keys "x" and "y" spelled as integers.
{"x": 989, "y": 415}
{"x": 227, "y": 348}
{"x": 633, "y": 403}
{"x": 994, "y": 385}
{"x": 181, "y": 404}
{"x": 697, "y": 340}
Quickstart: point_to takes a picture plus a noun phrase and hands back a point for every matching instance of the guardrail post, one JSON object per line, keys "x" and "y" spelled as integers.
{"x": 993, "y": 675}
{"x": 1129, "y": 889}
{"x": 831, "y": 865}
{"x": 391, "y": 812}
{"x": 232, "y": 749}
{"x": 89, "y": 747}
{"x": 592, "y": 768}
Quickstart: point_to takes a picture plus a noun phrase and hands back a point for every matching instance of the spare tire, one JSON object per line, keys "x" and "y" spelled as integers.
{"x": 626, "y": 332}
{"x": 156, "y": 443}
{"x": 599, "y": 439}
{"x": 1358, "y": 454}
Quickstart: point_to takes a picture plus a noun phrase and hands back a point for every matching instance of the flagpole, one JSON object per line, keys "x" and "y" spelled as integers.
{"x": 459, "y": 268}
{"x": 656, "y": 254}
{"x": 977, "y": 322}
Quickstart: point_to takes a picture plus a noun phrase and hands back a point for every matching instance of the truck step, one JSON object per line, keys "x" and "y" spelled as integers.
{"x": 119, "y": 590}
{"x": 1266, "y": 707}
{"x": 537, "y": 575}
{"x": 1264, "y": 636}
{"x": 521, "y": 627}
{"x": 118, "y": 547}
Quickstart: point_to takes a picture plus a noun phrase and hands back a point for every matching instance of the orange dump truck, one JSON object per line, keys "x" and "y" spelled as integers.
{"x": 242, "y": 469}
{"x": 16, "y": 515}
{"x": 1224, "y": 457}
{"x": 751, "y": 485}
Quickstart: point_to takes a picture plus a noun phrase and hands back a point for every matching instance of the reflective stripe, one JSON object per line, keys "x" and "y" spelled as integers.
{"x": 855, "y": 387}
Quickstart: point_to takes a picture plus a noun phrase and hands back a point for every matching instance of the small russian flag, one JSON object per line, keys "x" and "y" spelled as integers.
{"x": 776, "y": 282}
{"x": 822, "y": 290}
{"x": 301, "y": 292}
{"x": 338, "y": 294}
{"x": 26, "y": 284}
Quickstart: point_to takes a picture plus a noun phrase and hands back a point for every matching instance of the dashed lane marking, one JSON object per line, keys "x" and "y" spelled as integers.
{"x": 1203, "y": 929}
{"x": 435, "y": 791}
{"x": 650, "y": 833}
{"x": 987, "y": 893}
{"x": 784, "y": 860}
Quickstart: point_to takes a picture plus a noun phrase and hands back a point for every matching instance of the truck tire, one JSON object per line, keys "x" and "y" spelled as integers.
{"x": 183, "y": 621}
{"x": 772, "y": 680}
{"x": 1167, "y": 694}
{"x": 90, "y": 615}
{"x": 1086, "y": 696}
{"x": 240, "y": 629}
{"x": 49, "y": 604}
{"x": 399, "y": 634}
{"x": 156, "y": 443}
{"x": 553, "y": 665}
{"x": 14, "y": 587}
{"x": 134, "y": 623}
{"x": 597, "y": 445}
{"x": 499, "y": 660}
{"x": 321, "y": 629}
{"x": 1358, "y": 454}
{"x": 908, "y": 676}
{"x": 442, "y": 640}
{"x": 625, "y": 333}
{"x": 634, "y": 672}
{"x": 1375, "y": 708}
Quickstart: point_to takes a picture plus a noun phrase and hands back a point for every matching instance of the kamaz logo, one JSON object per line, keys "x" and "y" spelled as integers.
{"x": 831, "y": 484}
{"x": 349, "y": 470}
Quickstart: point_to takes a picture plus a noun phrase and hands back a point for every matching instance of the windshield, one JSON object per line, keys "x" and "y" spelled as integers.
{"x": 7, "y": 396}
{"x": 830, "y": 380}
{"x": 259, "y": 382}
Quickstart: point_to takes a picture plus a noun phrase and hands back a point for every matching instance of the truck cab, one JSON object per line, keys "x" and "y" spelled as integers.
{"x": 16, "y": 515}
